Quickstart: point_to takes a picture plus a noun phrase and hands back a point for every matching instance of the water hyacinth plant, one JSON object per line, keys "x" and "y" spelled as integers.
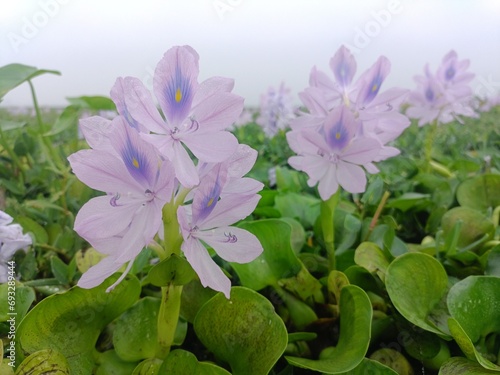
{"x": 157, "y": 243}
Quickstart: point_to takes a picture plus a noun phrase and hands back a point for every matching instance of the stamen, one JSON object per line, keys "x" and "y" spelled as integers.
{"x": 125, "y": 273}
{"x": 114, "y": 199}
{"x": 231, "y": 238}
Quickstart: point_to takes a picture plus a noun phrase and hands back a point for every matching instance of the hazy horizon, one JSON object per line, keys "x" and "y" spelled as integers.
{"x": 258, "y": 43}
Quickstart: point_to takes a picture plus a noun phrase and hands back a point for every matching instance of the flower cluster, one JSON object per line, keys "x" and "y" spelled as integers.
{"x": 442, "y": 96}
{"x": 141, "y": 160}
{"x": 12, "y": 239}
{"x": 347, "y": 125}
{"x": 276, "y": 110}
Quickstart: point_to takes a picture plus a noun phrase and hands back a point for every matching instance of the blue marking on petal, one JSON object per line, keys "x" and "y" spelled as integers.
{"x": 450, "y": 73}
{"x": 429, "y": 94}
{"x": 209, "y": 201}
{"x": 136, "y": 162}
{"x": 179, "y": 95}
{"x": 338, "y": 137}
{"x": 373, "y": 88}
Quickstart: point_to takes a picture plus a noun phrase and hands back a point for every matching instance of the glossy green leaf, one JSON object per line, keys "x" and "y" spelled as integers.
{"x": 277, "y": 262}
{"x": 108, "y": 363}
{"x": 394, "y": 360}
{"x": 174, "y": 269}
{"x": 150, "y": 366}
{"x": 463, "y": 366}
{"x": 493, "y": 262}
{"x": 410, "y": 201}
{"x": 59, "y": 269}
{"x": 475, "y": 225}
{"x": 480, "y": 192}
{"x": 372, "y": 258}
{"x": 30, "y": 225}
{"x": 243, "y": 331}
{"x": 370, "y": 367}
{"x": 71, "y": 322}
{"x": 417, "y": 284}
{"x": 474, "y": 303}
{"x": 24, "y": 297}
{"x": 137, "y": 325}
{"x": 355, "y": 328}
{"x": 182, "y": 362}
{"x": 303, "y": 208}
{"x": 194, "y": 296}
{"x": 13, "y": 75}
{"x": 43, "y": 362}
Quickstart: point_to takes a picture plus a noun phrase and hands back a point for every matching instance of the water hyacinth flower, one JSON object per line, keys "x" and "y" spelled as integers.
{"x": 442, "y": 96}
{"x": 196, "y": 115}
{"x": 348, "y": 125}
{"x": 378, "y": 111}
{"x": 138, "y": 184}
{"x": 208, "y": 219}
{"x": 12, "y": 239}
{"x": 334, "y": 157}
{"x": 276, "y": 110}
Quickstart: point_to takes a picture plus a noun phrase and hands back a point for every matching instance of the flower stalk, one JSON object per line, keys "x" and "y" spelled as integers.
{"x": 327, "y": 215}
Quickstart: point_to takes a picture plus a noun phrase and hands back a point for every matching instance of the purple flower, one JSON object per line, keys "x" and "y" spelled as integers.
{"x": 12, "y": 239}
{"x": 276, "y": 110}
{"x": 378, "y": 111}
{"x": 207, "y": 221}
{"x": 442, "y": 96}
{"x": 335, "y": 155}
{"x": 196, "y": 115}
{"x": 137, "y": 182}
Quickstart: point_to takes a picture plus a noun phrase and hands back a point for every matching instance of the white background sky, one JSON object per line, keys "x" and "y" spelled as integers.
{"x": 259, "y": 43}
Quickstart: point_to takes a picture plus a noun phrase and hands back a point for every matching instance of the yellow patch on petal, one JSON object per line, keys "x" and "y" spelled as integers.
{"x": 337, "y": 135}
{"x": 178, "y": 95}
{"x": 135, "y": 163}
{"x": 210, "y": 202}
{"x": 374, "y": 87}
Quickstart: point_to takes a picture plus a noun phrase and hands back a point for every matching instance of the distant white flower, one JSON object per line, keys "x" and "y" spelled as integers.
{"x": 11, "y": 240}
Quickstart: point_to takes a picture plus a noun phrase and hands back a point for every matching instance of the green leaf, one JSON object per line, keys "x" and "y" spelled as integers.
{"x": 95, "y": 103}
{"x": 417, "y": 284}
{"x": 480, "y": 192}
{"x": 181, "y": 362}
{"x": 303, "y": 208}
{"x": 409, "y": 201}
{"x": 355, "y": 327}
{"x": 394, "y": 360}
{"x": 29, "y": 225}
{"x": 13, "y": 75}
{"x": 194, "y": 296}
{"x": 474, "y": 303}
{"x": 24, "y": 297}
{"x": 71, "y": 322}
{"x": 475, "y": 225}
{"x": 42, "y": 362}
{"x": 174, "y": 269}
{"x": 108, "y": 363}
{"x": 369, "y": 256}
{"x": 463, "y": 366}
{"x": 370, "y": 367}
{"x": 243, "y": 331}
{"x": 69, "y": 117}
{"x": 7, "y": 125}
{"x": 150, "y": 366}
{"x": 277, "y": 261}
{"x": 137, "y": 325}
{"x": 59, "y": 270}
{"x": 493, "y": 262}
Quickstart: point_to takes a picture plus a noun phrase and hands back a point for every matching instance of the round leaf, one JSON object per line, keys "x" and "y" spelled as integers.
{"x": 181, "y": 362}
{"x": 42, "y": 362}
{"x": 71, "y": 322}
{"x": 480, "y": 192}
{"x": 463, "y": 366}
{"x": 355, "y": 332}
{"x": 417, "y": 284}
{"x": 244, "y": 331}
{"x": 137, "y": 325}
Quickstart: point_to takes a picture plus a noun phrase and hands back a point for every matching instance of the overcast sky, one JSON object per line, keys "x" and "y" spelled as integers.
{"x": 259, "y": 43}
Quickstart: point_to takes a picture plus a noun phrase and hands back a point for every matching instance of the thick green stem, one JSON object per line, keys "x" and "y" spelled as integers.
{"x": 168, "y": 316}
{"x": 327, "y": 214}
